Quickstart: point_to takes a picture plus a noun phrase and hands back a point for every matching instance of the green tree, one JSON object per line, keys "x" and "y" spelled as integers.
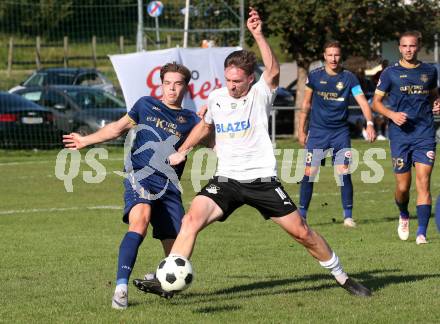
{"x": 28, "y": 17}
{"x": 361, "y": 25}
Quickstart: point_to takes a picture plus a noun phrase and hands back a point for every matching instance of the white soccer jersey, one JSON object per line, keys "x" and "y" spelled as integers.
{"x": 243, "y": 145}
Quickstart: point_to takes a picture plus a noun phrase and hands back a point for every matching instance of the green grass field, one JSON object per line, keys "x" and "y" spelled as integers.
{"x": 59, "y": 253}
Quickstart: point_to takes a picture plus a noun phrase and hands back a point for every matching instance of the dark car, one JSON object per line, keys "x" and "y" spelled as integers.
{"x": 67, "y": 76}
{"x": 78, "y": 109}
{"x": 24, "y": 124}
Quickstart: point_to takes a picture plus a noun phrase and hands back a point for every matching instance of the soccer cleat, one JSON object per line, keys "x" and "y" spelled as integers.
{"x": 349, "y": 222}
{"x": 120, "y": 300}
{"x": 421, "y": 239}
{"x": 403, "y": 228}
{"x": 355, "y": 288}
{"x": 152, "y": 286}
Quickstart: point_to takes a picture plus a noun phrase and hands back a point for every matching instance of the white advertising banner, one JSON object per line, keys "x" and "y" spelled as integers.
{"x": 139, "y": 73}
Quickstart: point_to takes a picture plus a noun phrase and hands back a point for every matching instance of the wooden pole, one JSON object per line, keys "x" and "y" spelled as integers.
{"x": 38, "y": 52}
{"x": 121, "y": 44}
{"x": 169, "y": 41}
{"x": 10, "y": 52}
{"x": 66, "y": 51}
{"x": 94, "y": 51}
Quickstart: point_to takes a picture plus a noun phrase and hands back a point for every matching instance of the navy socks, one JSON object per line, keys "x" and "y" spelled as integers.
{"x": 127, "y": 256}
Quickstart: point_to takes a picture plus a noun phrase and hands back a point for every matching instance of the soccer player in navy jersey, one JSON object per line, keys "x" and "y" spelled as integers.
{"x": 411, "y": 87}
{"x": 152, "y": 193}
{"x": 325, "y": 105}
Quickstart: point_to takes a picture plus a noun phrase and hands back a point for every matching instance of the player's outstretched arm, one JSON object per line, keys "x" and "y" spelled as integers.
{"x": 366, "y": 111}
{"x": 271, "y": 65}
{"x": 113, "y": 130}
{"x": 199, "y": 132}
{"x": 399, "y": 118}
{"x": 304, "y": 116}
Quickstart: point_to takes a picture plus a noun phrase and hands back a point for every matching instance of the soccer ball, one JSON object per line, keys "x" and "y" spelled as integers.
{"x": 174, "y": 273}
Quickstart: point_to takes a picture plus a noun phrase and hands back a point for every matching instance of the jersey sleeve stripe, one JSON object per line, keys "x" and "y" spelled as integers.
{"x": 131, "y": 120}
{"x": 380, "y": 92}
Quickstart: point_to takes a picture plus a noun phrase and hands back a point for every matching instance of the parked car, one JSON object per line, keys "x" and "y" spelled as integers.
{"x": 24, "y": 124}
{"x": 75, "y": 108}
{"x": 67, "y": 76}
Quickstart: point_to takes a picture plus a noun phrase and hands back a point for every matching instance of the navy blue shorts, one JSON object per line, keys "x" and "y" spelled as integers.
{"x": 404, "y": 155}
{"x": 320, "y": 142}
{"x": 166, "y": 205}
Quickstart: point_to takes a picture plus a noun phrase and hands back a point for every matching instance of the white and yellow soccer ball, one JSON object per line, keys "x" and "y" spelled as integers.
{"x": 175, "y": 273}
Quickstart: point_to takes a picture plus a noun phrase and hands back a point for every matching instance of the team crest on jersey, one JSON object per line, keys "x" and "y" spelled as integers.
{"x": 213, "y": 189}
{"x": 233, "y": 105}
{"x": 339, "y": 86}
{"x": 181, "y": 120}
{"x": 430, "y": 155}
{"x": 424, "y": 78}
{"x": 156, "y": 108}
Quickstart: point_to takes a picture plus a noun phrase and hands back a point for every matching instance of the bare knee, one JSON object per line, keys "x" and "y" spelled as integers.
{"x": 342, "y": 169}
{"x": 191, "y": 223}
{"x": 139, "y": 218}
{"x": 303, "y": 234}
{"x": 402, "y": 187}
{"x": 139, "y": 225}
{"x": 310, "y": 171}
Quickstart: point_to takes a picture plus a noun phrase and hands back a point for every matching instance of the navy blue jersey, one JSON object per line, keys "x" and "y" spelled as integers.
{"x": 330, "y": 98}
{"x": 160, "y": 131}
{"x": 409, "y": 91}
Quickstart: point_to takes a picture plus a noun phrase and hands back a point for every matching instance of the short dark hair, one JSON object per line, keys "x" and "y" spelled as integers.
{"x": 175, "y": 67}
{"x": 332, "y": 43}
{"x": 412, "y": 33}
{"x": 242, "y": 59}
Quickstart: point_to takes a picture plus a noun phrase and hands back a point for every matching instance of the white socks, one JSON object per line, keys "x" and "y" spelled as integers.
{"x": 121, "y": 287}
{"x": 335, "y": 268}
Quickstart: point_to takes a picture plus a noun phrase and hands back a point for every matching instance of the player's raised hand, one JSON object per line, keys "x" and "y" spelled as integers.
{"x": 74, "y": 141}
{"x": 254, "y": 22}
{"x": 202, "y": 111}
{"x": 436, "y": 107}
{"x": 399, "y": 118}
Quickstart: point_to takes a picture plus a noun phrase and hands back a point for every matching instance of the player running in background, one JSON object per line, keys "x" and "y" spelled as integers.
{"x": 411, "y": 87}
{"x": 152, "y": 192}
{"x": 326, "y": 100}
{"x": 246, "y": 169}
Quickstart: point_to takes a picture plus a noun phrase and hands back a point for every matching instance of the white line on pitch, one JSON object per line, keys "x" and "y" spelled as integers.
{"x": 52, "y": 210}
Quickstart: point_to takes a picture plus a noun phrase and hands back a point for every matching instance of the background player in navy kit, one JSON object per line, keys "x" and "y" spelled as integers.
{"x": 413, "y": 98}
{"x": 152, "y": 193}
{"x": 326, "y": 100}
{"x": 246, "y": 168}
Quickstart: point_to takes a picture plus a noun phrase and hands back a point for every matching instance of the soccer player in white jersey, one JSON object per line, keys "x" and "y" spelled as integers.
{"x": 246, "y": 171}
